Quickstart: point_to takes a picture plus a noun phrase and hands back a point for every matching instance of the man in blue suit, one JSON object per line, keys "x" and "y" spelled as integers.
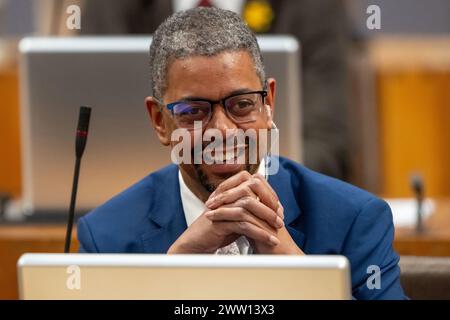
{"x": 208, "y": 76}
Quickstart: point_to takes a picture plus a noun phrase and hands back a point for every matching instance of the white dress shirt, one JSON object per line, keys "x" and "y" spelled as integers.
{"x": 232, "y": 5}
{"x": 193, "y": 207}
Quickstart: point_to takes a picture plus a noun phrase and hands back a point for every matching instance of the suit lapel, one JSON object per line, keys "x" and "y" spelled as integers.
{"x": 166, "y": 215}
{"x": 282, "y": 185}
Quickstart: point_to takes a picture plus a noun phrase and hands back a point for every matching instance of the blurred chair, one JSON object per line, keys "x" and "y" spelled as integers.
{"x": 425, "y": 278}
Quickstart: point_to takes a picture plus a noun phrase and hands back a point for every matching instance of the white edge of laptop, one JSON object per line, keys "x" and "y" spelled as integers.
{"x": 184, "y": 277}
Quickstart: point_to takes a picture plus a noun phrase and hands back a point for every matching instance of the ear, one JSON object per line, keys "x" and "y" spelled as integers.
{"x": 270, "y": 98}
{"x": 159, "y": 120}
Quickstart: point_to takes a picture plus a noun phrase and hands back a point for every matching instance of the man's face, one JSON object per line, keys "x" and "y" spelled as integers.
{"x": 215, "y": 78}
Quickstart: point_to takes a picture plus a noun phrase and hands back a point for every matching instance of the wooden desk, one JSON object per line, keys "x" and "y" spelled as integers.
{"x": 19, "y": 239}
{"x": 16, "y": 240}
{"x": 434, "y": 241}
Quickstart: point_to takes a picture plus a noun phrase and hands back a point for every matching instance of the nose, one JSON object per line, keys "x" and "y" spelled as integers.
{"x": 220, "y": 120}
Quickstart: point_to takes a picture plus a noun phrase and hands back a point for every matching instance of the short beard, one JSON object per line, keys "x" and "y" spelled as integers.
{"x": 208, "y": 185}
{"x": 204, "y": 180}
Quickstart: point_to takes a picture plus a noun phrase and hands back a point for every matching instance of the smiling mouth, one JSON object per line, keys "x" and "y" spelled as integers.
{"x": 225, "y": 156}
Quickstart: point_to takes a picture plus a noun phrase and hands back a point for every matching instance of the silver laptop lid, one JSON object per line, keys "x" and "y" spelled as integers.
{"x": 144, "y": 276}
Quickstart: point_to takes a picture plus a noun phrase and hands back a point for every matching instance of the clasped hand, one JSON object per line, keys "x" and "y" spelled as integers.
{"x": 243, "y": 205}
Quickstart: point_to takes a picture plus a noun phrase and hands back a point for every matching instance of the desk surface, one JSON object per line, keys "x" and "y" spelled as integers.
{"x": 433, "y": 241}
{"x": 18, "y": 239}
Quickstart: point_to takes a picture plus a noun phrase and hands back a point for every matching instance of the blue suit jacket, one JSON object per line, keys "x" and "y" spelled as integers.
{"x": 323, "y": 216}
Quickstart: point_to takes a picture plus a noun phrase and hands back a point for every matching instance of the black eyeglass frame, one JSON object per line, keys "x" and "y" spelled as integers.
{"x": 222, "y": 102}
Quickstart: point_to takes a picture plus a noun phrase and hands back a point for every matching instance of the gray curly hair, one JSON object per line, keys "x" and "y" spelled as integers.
{"x": 199, "y": 32}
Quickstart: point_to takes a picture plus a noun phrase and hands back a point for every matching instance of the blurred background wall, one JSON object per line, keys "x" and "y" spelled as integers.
{"x": 397, "y": 123}
{"x": 407, "y": 17}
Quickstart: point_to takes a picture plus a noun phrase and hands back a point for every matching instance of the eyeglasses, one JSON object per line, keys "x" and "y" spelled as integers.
{"x": 241, "y": 108}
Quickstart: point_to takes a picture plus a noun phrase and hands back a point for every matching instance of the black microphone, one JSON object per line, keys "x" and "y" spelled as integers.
{"x": 80, "y": 145}
{"x": 418, "y": 187}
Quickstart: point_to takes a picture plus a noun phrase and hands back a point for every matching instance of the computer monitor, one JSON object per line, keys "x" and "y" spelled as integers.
{"x": 184, "y": 277}
{"x": 111, "y": 75}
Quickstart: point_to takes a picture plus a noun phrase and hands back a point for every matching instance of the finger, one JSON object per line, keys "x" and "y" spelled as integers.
{"x": 280, "y": 209}
{"x": 230, "y": 196}
{"x": 250, "y": 231}
{"x": 231, "y": 182}
{"x": 272, "y": 198}
{"x": 266, "y": 183}
{"x": 238, "y": 217}
{"x": 260, "y": 210}
{"x": 247, "y": 206}
{"x": 247, "y": 212}
{"x": 264, "y": 191}
{"x": 252, "y": 186}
